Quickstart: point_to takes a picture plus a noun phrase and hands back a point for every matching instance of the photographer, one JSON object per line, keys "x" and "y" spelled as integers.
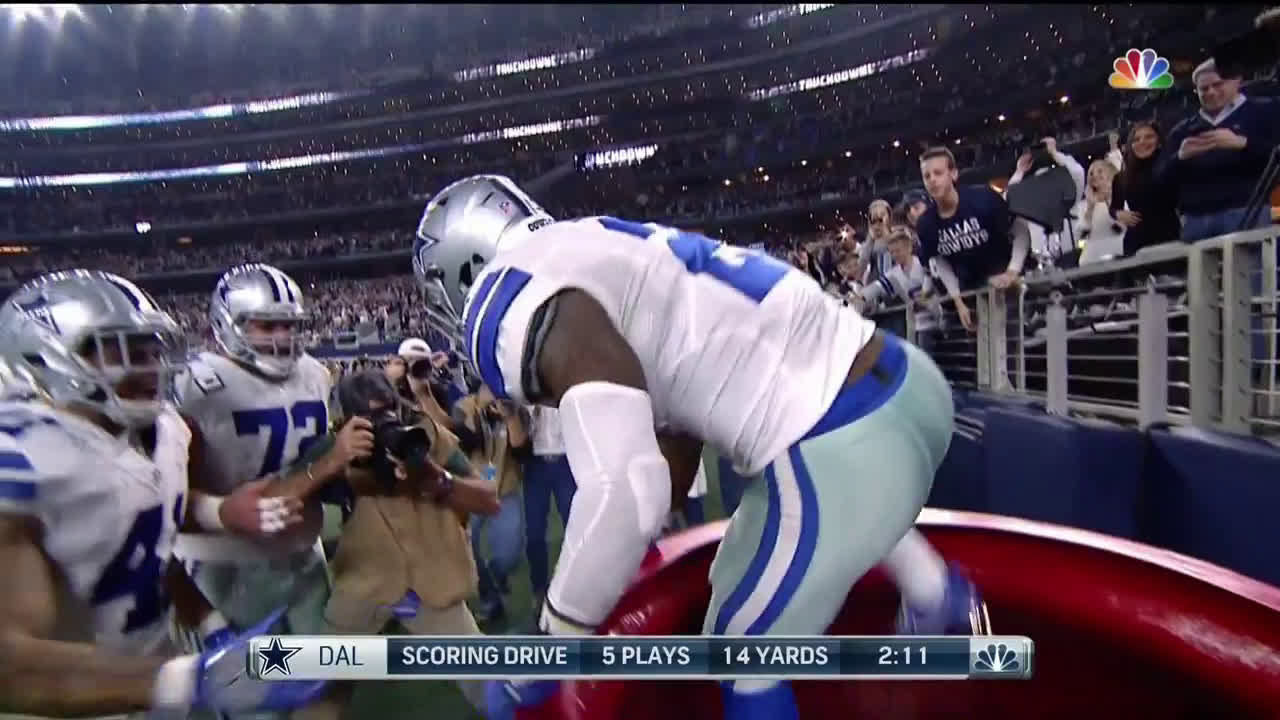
{"x": 423, "y": 378}
{"x": 493, "y": 435}
{"x": 404, "y": 554}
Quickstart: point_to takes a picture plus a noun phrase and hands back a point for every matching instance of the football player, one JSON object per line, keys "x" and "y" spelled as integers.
{"x": 93, "y": 477}
{"x": 651, "y": 341}
{"x": 260, "y": 401}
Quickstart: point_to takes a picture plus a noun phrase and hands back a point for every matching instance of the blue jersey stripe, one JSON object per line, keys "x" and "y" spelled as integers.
{"x": 11, "y": 460}
{"x": 486, "y": 350}
{"x": 473, "y": 313}
{"x": 17, "y": 489}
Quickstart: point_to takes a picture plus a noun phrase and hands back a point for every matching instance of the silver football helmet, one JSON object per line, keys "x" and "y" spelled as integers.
{"x": 93, "y": 339}
{"x": 461, "y": 229}
{"x": 258, "y": 292}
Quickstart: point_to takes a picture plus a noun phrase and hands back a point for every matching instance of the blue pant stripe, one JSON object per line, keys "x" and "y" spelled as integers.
{"x": 808, "y": 545}
{"x": 768, "y": 541}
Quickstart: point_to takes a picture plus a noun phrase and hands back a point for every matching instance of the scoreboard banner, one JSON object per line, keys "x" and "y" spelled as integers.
{"x": 317, "y": 657}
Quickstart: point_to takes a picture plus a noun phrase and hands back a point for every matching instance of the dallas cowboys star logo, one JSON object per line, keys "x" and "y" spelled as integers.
{"x": 276, "y": 657}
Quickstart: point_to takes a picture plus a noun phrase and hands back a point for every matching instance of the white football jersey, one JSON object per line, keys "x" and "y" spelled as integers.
{"x": 251, "y": 425}
{"x": 738, "y": 348}
{"x": 897, "y": 285}
{"x": 109, "y": 512}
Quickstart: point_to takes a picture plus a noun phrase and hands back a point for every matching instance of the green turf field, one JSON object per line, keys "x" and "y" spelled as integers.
{"x": 418, "y": 700}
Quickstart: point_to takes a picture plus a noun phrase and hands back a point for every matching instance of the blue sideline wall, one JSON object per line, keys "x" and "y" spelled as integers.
{"x": 1209, "y": 495}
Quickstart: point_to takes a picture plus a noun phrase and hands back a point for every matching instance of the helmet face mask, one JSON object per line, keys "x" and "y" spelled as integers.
{"x": 137, "y": 364}
{"x": 256, "y": 314}
{"x": 92, "y": 340}
{"x": 461, "y": 230}
{"x": 277, "y": 343}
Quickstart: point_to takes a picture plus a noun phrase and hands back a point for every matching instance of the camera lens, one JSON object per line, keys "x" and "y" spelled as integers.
{"x": 421, "y": 369}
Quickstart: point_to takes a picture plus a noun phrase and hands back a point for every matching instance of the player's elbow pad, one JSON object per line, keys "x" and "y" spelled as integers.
{"x": 610, "y": 440}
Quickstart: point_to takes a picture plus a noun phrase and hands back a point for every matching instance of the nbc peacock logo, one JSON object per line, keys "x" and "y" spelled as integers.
{"x": 1141, "y": 70}
{"x": 997, "y": 658}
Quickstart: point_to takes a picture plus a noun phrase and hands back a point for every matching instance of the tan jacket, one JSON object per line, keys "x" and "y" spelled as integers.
{"x": 393, "y": 543}
{"x": 497, "y": 451}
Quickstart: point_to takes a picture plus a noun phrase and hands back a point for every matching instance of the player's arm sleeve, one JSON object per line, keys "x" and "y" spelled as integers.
{"x": 624, "y": 484}
{"x": 623, "y": 497}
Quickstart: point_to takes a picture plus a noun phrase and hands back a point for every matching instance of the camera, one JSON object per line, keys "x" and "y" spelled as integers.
{"x": 1040, "y": 157}
{"x": 369, "y": 395}
{"x": 410, "y": 444}
{"x": 407, "y": 443}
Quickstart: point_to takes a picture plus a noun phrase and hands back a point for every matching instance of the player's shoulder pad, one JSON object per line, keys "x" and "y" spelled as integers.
{"x": 37, "y": 449}
{"x": 201, "y": 374}
{"x": 314, "y": 369}
{"x": 501, "y": 309}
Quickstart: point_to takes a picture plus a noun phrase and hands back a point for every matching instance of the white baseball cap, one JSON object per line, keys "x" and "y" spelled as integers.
{"x": 414, "y": 348}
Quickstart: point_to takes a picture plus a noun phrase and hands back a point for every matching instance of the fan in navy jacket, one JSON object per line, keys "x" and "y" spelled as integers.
{"x": 967, "y": 235}
{"x": 1219, "y": 154}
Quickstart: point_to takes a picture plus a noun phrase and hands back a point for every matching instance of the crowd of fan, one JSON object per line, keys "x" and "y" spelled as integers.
{"x": 377, "y": 307}
{"x": 1151, "y": 187}
{"x": 156, "y": 257}
{"x": 399, "y": 41}
{"x": 870, "y": 111}
{"x": 876, "y": 170}
{"x": 765, "y": 159}
{"x": 632, "y": 53}
{"x": 890, "y": 171}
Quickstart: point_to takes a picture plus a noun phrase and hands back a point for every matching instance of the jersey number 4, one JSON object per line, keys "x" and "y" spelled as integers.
{"x": 276, "y": 420}
{"x": 749, "y": 272}
{"x": 134, "y": 572}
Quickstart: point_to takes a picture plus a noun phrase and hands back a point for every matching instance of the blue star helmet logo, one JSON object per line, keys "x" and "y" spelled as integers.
{"x": 40, "y": 311}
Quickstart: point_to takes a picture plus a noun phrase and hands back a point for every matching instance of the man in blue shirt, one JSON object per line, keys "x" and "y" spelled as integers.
{"x": 967, "y": 235}
{"x": 1217, "y": 156}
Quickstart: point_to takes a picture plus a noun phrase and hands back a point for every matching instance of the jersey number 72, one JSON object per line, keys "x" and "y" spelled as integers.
{"x": 749, "y": 272}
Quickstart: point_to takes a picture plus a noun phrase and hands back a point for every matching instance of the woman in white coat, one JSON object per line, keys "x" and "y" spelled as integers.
{"x": 1099, "y": 236}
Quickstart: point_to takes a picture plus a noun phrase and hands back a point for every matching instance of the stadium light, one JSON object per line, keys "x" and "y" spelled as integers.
{"x": 37, "y": 11}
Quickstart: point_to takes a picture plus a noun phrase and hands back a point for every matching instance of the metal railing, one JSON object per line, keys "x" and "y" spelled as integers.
{"x": 1180, "y": 333}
